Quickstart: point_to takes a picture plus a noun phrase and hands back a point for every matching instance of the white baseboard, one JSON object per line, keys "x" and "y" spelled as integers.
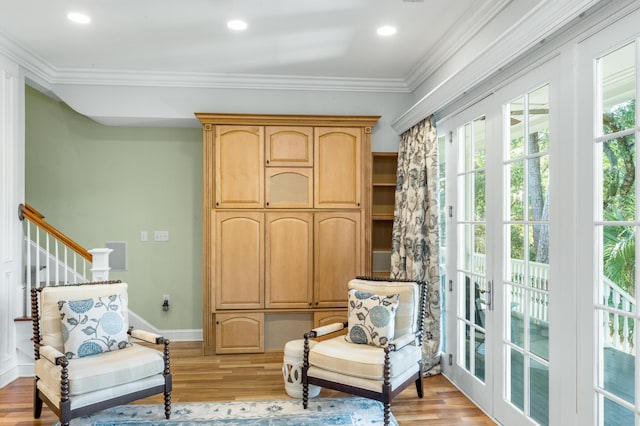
{"x": 9, "y": 376}
{"x": 26, "y": 370}
{"x": 182, "y": 335}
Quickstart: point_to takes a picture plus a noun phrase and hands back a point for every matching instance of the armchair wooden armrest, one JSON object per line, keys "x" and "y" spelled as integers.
{"x": 146, "y": 336}
{"x": 52, "y": 355}
{"x": 402, "y": 341}
{"x": 326, "y": 329}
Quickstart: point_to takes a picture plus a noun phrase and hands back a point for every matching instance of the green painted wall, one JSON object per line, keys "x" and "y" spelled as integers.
{"x": 97, "y": 183}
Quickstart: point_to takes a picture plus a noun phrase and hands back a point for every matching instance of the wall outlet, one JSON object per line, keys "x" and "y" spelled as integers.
{"x": 165, "y": 298}
{"x": 161, "y": 235}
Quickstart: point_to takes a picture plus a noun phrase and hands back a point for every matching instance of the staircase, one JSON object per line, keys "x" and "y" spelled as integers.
{"x": 50, "y": 258}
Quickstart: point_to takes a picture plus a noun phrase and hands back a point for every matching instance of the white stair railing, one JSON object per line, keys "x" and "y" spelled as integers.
{"x": 50, "y": 257}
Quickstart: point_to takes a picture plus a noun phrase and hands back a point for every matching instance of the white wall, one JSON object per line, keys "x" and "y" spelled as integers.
{"x": 11, "y": 195}
{"x": 175, "y": 107}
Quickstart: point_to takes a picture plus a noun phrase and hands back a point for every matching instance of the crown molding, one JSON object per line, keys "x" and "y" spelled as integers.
{"x": 524, "y": 36}
{"x": 453, "y": 41}
{"x": 105, "y": 77}
{"x": 36, "y": 68}
{"x": 46, "y": 76}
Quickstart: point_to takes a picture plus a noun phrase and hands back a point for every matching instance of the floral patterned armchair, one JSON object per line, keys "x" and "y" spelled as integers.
{"x": 381, "y": 354}
{"x": 84, "y": 359}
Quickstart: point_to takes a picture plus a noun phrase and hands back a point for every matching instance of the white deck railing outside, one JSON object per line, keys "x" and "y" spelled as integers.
{"x": 620, "y": 334}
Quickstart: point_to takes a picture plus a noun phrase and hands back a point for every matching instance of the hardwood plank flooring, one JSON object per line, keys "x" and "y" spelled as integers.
{"x": 198, "y": 378}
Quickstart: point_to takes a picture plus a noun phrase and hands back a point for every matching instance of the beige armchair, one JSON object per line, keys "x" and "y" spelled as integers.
{"x": 381, "y": 354}
{"x": 84, "y": 358}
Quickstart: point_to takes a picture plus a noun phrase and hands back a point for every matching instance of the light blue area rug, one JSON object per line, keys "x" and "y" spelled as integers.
{"x": 321, "y": 411}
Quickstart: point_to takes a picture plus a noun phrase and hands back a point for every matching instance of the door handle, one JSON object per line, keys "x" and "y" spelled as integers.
{"x": 489, "y": 292}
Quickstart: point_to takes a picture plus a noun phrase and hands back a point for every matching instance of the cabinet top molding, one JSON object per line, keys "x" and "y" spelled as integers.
{"x": 288, "y": 119}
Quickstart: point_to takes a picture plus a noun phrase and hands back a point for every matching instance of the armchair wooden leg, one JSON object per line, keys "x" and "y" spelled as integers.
{"x": 167, "y": 405}
{"x": 305, "y": 395}
{"x": 419, "y": 382}
{"x": 420, "y": 387}
{"x": 37, "y": 402}
{"x": 387, "y": 413}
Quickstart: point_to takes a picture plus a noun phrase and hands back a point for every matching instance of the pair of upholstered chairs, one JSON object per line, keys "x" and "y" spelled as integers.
{"x": 84, "y": 359}
{"x": 381, "y": 354}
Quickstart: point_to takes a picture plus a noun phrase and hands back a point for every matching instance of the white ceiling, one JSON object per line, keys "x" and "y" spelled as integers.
{"x": 307, "y": 38}
{"x": 125, "y": 66}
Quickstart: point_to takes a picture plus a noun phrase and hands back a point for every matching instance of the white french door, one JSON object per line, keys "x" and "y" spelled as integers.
{"x": 469, "y": 263}
{"x": 498, "y": 249}
{"x": 609, "y": 85}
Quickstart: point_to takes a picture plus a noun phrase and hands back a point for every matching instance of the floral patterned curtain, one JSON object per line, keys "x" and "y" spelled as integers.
{"x": 415, "y": 240}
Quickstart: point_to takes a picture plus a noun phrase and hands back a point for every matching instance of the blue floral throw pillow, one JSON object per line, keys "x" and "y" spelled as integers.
{"x": 371, "y": 318}
{"x": 93, "y": 326}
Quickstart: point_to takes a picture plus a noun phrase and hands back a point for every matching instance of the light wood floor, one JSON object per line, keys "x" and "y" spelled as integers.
{"x": 197, "y": 378}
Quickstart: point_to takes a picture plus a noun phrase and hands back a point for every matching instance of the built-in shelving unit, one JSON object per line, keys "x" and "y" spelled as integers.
{"x": 384, "y": 167}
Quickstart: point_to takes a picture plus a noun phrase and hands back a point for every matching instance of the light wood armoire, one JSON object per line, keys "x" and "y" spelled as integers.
{"x": 286, "y": 221}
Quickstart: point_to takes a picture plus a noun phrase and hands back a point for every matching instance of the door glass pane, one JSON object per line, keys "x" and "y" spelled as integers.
{"x": 539, "y": 256}
{"x": 479, "y": 200}
{"x": 618, "y": 79}
{"x": 479, "y": 131}
{"x": 614, "y": 413}
{"x": 516, "y": 201}
{"x": 465, "y": 197}
{"x": 480, "y": 301}
{"x": 515, "y": 267}
{"x": 516, "y": 378}
{"x": 616, "y": 227}
{"x": 539, "y": 120}
{"x": 538, "y": 187}
{"x": 539, "y": 324}
{"x": 617, "y": 375}
{"x": 465, "y": 254}
{"x": 618, "y": 286}
{"x": 527, "y": 246}
{"x": 479, "y": 352}
{"x": 471, "y": 247}
{"x": 516, "y": 128}
{"x": 479, "y": 249}
{"x": 515, "y": 324}
{"x": 464, "y": 305}
{"x": 539, "y": 392}
{"x": 618, "y": 180}
{"x": 464, "y": 153}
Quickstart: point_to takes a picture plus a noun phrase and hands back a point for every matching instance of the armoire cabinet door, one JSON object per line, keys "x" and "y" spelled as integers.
{"x": 337, "y": 177}
{"x": 336, "y": 256}
{"x": 239, "y": 166}
{"x": 289, "y": 187}
{"x": 239, "y": 260}
{"x": 239, "y": 333}
{"x": 289, "y": 260}
{"x": 289, "y": 146}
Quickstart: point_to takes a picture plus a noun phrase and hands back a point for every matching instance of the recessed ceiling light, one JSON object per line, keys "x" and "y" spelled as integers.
{"x": 237, "y": 25}
{"x": 79, "y": 18}
{"x": 387, "y": 30}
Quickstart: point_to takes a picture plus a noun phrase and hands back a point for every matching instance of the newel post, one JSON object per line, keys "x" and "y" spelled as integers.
{"x": 100, "y": 263}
